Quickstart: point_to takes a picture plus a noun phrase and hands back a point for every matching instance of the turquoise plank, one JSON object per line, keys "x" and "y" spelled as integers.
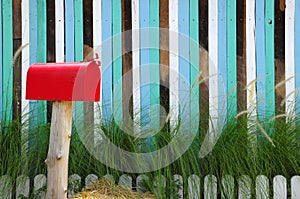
{"x": 107, "y": 60}
{"x": 184, "y": 63}
{"x": 231, "y": 59}
{"x": 222, "y": 60}
{"x": 145, "y": 61}
{"x": 260, "y": 58}
{"x": 194, "y": 58}
{"x": 7, "y": 73}
{"x": 42, "y": 53}
{"x": 69, "y": 30}
{"x": 154, "y": 65}
{"x": 117, "y": 60}
{"x": 297, "y": 54}
{"x": 1, "y": 67}
{"x": 270, "y": 67}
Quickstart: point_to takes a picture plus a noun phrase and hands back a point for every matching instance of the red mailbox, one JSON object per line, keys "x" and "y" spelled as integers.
{"x": 64, "y": 81}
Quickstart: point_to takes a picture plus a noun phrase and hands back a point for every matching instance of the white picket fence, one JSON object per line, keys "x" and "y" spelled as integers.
{"x": 241, "y": 189}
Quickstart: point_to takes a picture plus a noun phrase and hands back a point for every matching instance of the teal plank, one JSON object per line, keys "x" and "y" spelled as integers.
{"x": 42, "y": 52}
{"x": 7, "y": 73}
{"x": 117, "y": 59}
{"x": 106, "y": 61}
{"x": 297, "y": 53}
{"x": 78, "y": 53}
{"x": 231, "y": 58}
{"x": 194, "y": 58}
{"x": 222, "y": 60}
{"x": 270, "y": 67}
{"x": 1, "y": 67}
{"x": 260, "y": 57}
{"x": 154, "y": 65}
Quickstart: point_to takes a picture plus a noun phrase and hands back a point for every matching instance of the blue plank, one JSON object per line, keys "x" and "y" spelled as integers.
{"x": 222, "y": 60}
{"x": 297, "y": 53}
{"x": 260, "y": 58}
{"x": 69, "y": 30}
{"x": 184, "y": 63}
{"x": 107, "y": 60}
{"x": 1, "y": 69}
{"x": 145, "y": 61}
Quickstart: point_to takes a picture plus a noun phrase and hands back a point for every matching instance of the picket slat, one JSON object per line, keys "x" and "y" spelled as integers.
{"x": 297, "y": 52}
{"x": 5, "y": 187}
{"x": 228, "y": 187}
{"x": 178, "y": 183}
{"x": 22, "y": 186}
{"x": 279, "y": 187}
{"x": 74, "y": 184}
{"x": 91, "y": 178}
{"x": 160, "y": 183}
{"x": 140, "y": 183}
{"x": 194, "y": 187}
{"x": 59, "y": 31}
{"x": 125, "y": 181}
{"x": 262, "y": 187}
{"x": 39, "y": 186}
{"x": 210, "y": 187}
{"x": 244, "y": 187}
{"x": 1, "y": 59}
{"x": 295, "y": 184}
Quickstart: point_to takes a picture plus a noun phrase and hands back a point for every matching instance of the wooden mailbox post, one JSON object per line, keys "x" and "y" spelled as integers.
{"x": 62, "y": 83}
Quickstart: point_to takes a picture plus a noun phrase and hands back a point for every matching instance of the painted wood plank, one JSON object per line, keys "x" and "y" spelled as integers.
{"x": 39, "y": 186}
{"x": 231, "y": 58}
{"x": 1, "y": 68}
{"x": 25, "y": 57}
{"x": 210, "y": 187}
{"x": 90, "y": 179}
{"x": 222, "y": 61}
{"x": 7, "y": 73}
{"x": 160, "y": 183}
{"x": 244, "y": 187}
{"x": 279, "y": 187}
{"x": 74, "y": 184}
{"x": 260, "y": 58}
{"x": 140, "y": 185}
{"x": 109, "y": 177}
{"x": 145, "y": 61}
{"x": 69, "y": 29}
{"x": 59, "y": 31}
{"x": 228, "y": 187}
{"x": 270, "y": 64}
{"x": 117, "y": 60}
{"x": 250, "y": 56}
{"x": 42, "y": 53}
{"x": 290, "y": 56}
{"x": 5, "y": 187}
{"x": 262, "y": 187}
{"x": 154, "y": 66}
{"x": 194, "y": 187}
{"x": 107, "y": 60}
{"x": 213, "y": 67}
{"x": 97, "y": 46}
{"x": 174, "y": 63}
{"x": 297, "y": 52}
{"x": 184, "y": 62}
{"x": 178, "y": 183}
{"x": 135, "y": 7}
{"x": 194, "y": 59}
{"x": 295, "y": 184}
{"x": 125, "y": 181}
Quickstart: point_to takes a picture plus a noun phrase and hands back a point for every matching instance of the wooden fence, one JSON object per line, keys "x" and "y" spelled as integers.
{"x": 245, "y": 187}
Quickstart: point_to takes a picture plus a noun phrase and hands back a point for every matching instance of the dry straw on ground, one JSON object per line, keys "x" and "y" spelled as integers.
{"x": 105, "y": 189}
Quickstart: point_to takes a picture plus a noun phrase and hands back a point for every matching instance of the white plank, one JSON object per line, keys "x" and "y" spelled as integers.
{"x": 97, "y": 46}
{"x": 59, "y": 31}
{"x": 228, "y": 187}
{"x": 74, "y": 184}
{"x": 22, "y": 186}
{"x": 213, "y": 68}
{"x": 125, "y": 181}
{"x": 140, "y": 183}
{"x": 136, "y": 82}
{"x": 194, "y": 187}
{"x": 90, "y": 179}
{"x": 279, "y": 187}
{"x": 178, "y": 182}
{"x": 160, "y": 183}
{"x": 290, "y": 56}
{"x": 250, "y": 56}
{"x": 5, "y": 187}
{"x": 295, "y": 184}
{"x": 262, "y": 187}
{"x": 25, "y": 58}
{"x": 39, "y": 186}
{"x": 174, "y": 63}
{"x": 210, "y": 187}
{"x": 244, "y": 187}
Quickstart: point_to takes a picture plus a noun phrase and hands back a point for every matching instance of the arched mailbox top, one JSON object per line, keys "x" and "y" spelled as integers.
{"x": 78, "y": 81}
